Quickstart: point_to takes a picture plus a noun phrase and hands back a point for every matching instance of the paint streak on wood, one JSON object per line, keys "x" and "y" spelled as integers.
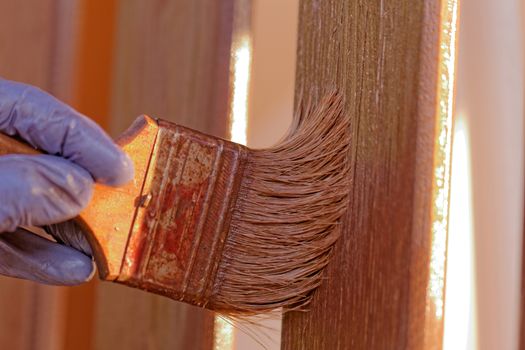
{"x": 382, "y": 289}
{"x": 171, "y": 62}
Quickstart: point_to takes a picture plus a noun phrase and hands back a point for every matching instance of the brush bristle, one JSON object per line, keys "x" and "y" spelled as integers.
{"x": 288, "y": 215}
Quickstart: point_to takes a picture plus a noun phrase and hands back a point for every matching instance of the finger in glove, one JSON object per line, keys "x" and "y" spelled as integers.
{"x": 29, "y": 256}
{"x": 41, "y": 190}
{"x": 52, "y": 126}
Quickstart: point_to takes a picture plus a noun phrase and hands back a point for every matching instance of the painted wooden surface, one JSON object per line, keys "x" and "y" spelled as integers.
{"x": 172, "y": 62}
{"x": 87, "y": 38}
{"x": 167, "y": 54}
{"x": 41, "y": 45}
{"x": 384, "y": 284}
{"x": 29, "y": 312}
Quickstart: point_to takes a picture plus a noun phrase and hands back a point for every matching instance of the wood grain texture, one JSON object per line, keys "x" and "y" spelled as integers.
{"x": 85, "y": 37}
{"x": 26, "y": 45}
{"x": 31, "y": 314}
{"x": 134, "y": 319}
{"x": 384, "y": 55}
{"x": 171, "y": 62}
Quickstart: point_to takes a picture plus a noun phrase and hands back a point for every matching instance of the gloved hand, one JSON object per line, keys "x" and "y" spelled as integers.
{"x": 48, "y": 190}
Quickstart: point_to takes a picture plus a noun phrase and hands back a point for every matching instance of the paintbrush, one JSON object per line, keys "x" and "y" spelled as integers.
{"x": 216, "y": 224}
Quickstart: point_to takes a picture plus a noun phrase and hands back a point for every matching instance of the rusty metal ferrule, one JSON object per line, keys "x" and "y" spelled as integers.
{"x": 176, "y": 241}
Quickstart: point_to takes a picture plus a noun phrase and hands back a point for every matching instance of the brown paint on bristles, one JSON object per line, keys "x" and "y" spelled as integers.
{"x": 217, "y": 225}
{"x": 288, "y": 215}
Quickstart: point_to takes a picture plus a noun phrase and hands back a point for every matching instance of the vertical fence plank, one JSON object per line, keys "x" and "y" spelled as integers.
{"x": 27, "y": 53}
{"x": 172, "y": 62}
{"x": 90, "y": 41}
{"x": 384, "y": 286}
{"x": 35, "y": 49}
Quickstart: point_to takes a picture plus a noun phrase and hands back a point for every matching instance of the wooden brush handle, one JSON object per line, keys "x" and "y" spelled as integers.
{"x": 109, "y": 217}
{"x": 9, "y": 145}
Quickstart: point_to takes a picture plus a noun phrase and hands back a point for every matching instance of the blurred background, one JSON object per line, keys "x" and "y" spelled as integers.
{"x": 227, "y": 68}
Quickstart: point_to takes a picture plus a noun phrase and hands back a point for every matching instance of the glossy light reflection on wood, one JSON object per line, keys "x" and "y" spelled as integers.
{"x": 384, "y": 285}
{"x": 442, "y": 168}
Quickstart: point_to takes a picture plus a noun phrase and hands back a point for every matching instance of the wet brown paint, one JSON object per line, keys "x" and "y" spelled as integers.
{"x": 214, "y": 224}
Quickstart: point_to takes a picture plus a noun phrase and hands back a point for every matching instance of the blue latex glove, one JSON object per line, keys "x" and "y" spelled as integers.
{"x": 48, "y": 190}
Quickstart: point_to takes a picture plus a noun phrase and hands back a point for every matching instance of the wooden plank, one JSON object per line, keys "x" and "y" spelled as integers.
{"x": 172, "y": 62}
{"x": 30, "y": 315}
{"x": 94, "y": 58}
{"x": 384, "y": 287}
{"x": 89, "y": 47}
{"x": 26, "y": 32}
{"x": 13, "y": 322}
